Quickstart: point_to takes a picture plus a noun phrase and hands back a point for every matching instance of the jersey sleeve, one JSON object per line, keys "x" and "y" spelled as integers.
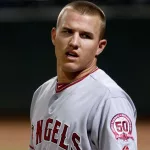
{"x": 31, "y": 147}
{"x": 34, "y": 98}
{"x": 114, "y": 125}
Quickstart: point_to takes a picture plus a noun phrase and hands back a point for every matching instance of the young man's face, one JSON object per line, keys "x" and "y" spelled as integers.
{"x": 76, "y": 41}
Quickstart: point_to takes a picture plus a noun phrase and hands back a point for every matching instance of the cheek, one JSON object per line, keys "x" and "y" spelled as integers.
{"x": 90, "y": 50}
{"x": 59, "y": 47}
{"x": 61, "y": 43}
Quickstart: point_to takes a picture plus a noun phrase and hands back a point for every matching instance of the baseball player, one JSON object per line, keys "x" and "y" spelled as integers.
{"x": 81, "y": 108}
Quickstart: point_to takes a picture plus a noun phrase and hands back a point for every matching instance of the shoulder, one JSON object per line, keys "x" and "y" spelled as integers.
{"x": 115, "y": 100}
{"x": 41, "y": 90}
{"x": 45, "y": 86}
{"x": 114, "y": 93}
{"x": 103, "y": 80}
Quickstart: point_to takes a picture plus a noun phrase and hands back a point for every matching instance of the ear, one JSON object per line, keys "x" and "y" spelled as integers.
{"x": 102, "y": 45}
{"x": 53, "y": 35}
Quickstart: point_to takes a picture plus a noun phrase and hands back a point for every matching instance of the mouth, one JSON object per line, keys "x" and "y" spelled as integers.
{"x": 71, "y": 54}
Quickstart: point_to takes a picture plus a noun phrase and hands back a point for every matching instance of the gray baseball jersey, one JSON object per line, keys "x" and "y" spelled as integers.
{"x": 93, "y": 113}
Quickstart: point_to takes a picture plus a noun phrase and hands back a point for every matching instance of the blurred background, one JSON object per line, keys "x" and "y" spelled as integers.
{"x": 27, "y": 60}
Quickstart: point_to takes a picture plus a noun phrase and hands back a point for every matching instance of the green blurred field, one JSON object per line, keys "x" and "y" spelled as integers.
{"x": 14, "y": 134}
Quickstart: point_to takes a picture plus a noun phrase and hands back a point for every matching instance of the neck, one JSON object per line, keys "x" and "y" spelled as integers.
{"x": 68, "y": 77}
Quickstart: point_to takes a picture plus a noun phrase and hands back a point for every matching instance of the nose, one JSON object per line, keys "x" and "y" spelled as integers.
{"x": 74, "y": 41}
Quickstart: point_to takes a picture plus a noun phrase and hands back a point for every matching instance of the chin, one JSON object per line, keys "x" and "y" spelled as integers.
{"x": 71, "y": 68}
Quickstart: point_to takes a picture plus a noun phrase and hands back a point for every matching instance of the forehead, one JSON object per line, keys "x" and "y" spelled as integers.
{"x": 74, "y": 19}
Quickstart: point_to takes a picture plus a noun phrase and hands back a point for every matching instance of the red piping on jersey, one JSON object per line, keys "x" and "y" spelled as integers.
{"x": 31, "y": 147}
{"x": 65, "y": 85}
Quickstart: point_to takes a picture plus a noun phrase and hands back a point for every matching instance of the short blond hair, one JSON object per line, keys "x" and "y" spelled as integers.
{"x": 86, "y": 8}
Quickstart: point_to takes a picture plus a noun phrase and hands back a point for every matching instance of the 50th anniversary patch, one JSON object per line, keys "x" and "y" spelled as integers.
{"x": 121, "y": 126}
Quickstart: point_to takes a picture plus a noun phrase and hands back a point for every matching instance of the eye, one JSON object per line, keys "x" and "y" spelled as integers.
{"x": 85, "y": 36}
{"x": 67, "y": 31}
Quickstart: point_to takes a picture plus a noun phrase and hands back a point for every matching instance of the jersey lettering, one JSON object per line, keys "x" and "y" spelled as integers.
{"x": 39, "y": 131}
{"x": 76, "y": 141}
{"x": 55, "y": 131}
{"x": 47, "y": 130}
{"x": 50, "y": 131}
{"x": 63, "y": 136}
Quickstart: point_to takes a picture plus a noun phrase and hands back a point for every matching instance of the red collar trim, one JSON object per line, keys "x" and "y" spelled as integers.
{"x": 61, "y": 86}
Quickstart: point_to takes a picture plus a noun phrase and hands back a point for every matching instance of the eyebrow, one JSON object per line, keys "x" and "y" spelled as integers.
{"x": 86, "y": 32}
{"x": 89, "y": 34}
{"x": 66, "y": 28}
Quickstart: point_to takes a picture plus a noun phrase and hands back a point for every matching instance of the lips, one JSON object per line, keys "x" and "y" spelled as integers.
{"x": 72, "y": 54}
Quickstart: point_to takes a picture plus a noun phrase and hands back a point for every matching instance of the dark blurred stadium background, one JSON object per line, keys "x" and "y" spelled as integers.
{"x": 27, "y": 55}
